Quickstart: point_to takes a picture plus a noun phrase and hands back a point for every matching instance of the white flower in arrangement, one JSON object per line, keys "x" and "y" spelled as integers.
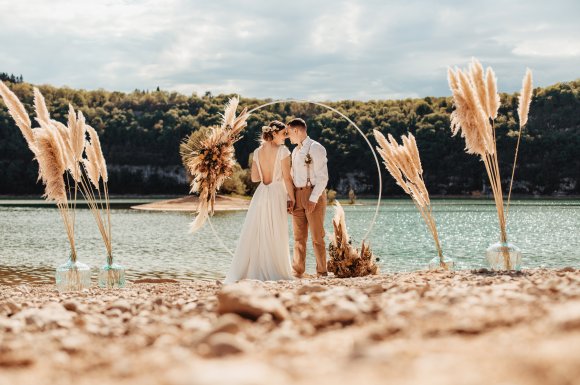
{"x": 269, "y": 129}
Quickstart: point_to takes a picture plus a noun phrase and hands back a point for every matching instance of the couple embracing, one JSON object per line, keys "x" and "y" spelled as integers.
{"x": 290, "y": 183}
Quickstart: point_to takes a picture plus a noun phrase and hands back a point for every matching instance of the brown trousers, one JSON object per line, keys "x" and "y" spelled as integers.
{"x": 303, "y": 221}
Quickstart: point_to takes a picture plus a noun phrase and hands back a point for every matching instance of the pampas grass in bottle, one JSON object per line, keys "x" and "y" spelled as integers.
{"x": 476, "y": 106}
{"x": 404, "y": 164}
{"x": 70, "y": 164}
{"x": 53, "y": 157}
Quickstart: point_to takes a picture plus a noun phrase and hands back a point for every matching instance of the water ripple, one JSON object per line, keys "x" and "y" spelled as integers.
{"x": 157, "y": 244}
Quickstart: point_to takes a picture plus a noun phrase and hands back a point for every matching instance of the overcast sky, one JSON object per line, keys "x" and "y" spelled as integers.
{"x": 317, "y": 50}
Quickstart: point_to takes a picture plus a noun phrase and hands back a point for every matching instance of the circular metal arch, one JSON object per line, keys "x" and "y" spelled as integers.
{"x": 378, "y": 206}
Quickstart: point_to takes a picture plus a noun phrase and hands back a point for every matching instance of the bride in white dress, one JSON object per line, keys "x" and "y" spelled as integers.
{"x": 263, "y": 248}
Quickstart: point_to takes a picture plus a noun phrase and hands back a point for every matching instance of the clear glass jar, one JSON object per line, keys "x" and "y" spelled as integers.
{"x": 73, "y": 276}
{"x": 504, "y": 256}
{"x": 112, "y": 276}
{"x": 435, "y": 264}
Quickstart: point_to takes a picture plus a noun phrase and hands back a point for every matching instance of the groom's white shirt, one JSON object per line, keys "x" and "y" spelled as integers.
{"x": 318, "y": 167}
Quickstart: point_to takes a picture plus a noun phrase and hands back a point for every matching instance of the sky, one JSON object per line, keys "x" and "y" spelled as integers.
{"x": 308, "y": 49}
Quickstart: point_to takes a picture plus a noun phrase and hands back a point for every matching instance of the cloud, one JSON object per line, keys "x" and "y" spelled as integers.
{"x": 323, "y": 50}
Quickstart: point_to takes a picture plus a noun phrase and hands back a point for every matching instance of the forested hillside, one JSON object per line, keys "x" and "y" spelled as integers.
{"x": 141, "y": 132}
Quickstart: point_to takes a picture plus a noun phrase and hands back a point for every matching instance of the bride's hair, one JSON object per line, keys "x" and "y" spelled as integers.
{"x": 269, "y": 130}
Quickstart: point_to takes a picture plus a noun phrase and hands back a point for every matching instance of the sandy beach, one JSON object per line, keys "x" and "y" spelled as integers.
{"x": 468, "y": 327}
{"x": 190, "y": 203}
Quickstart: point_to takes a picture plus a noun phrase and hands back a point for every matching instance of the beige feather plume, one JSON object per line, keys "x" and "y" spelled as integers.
{"x": 229, "y": 114}
{"x": 72, "y": 165}
{"x": 340, "y": 222}
{"x": 523, "y": 110}
{"x": 478, "y": 81}
{"x": 95, "y": 141}
{"x": 200, "y": 219}
{"x": 77, "y": 130}
{"x": 452, "y": 79}
{"x": 469, "y": 116}
{"x": 60, "y": 145}
{"x": 525, "y": 98}
{"x": 40, "y": 106}
{"x": 492, "y": 95}
{"x": 19, "y": 114}
{"x": 91, "y": 164}
{"x": 51, "y": 165}
{"x": 404, "y": 164}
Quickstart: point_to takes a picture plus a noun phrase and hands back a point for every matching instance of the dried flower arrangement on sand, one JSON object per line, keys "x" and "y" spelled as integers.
{"x": 345, "y": 261}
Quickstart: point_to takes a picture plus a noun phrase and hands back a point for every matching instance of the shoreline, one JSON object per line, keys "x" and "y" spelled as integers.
{"x": 226, "y": 203}
{"x": 467, "y": 327}
{"x": 190, "y": 203}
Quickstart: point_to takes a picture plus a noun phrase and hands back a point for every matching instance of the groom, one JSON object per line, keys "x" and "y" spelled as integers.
{"x": 310, "y": 176}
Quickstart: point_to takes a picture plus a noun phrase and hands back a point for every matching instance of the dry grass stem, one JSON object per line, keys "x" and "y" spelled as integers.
{"x": 404, "y": 164}
{"x": 525, "y": 100}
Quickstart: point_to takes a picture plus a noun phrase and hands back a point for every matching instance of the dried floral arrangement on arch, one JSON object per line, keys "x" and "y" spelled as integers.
{"x": 211, "y": 159}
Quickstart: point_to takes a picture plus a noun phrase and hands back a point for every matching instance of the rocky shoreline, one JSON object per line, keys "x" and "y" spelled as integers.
{"x": 468, "y": 327}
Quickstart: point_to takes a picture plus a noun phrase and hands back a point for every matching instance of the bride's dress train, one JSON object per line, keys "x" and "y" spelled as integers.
{"x": 263, "y": 247}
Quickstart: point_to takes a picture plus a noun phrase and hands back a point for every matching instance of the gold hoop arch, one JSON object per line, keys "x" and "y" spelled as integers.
{"x": 283, "y": 101}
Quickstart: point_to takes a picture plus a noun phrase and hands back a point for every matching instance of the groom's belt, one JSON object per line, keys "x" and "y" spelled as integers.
{"x": 305, "y": 188}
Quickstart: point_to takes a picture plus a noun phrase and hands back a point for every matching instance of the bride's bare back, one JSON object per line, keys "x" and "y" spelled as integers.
{"x": 264, "y": 170}
{"x": 267, "y": 155}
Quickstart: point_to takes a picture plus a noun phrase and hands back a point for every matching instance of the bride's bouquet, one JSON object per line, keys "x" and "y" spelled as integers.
{"x": 345, "y": 260}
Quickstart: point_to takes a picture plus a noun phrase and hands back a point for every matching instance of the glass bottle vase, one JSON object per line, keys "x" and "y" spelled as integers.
{"x": 112, "y": 276}
{"x": 73, "y": 276}
{"x": 504, "y": 256}
{"x": 435, "y": 263}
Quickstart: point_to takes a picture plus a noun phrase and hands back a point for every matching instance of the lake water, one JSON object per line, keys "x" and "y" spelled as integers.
{"x": 158, "y": 245}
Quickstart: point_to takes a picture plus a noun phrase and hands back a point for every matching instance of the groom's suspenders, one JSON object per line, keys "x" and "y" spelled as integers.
{"x": 308, "y": 182}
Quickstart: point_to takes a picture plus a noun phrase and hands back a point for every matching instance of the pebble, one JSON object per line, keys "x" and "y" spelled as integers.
{"x": 566, "y": 316}
{"x": 224, "y": 344}
{"x": 121, "y": 304}
{"x": 249, "y": 301}
{"x": 306, "y": 331}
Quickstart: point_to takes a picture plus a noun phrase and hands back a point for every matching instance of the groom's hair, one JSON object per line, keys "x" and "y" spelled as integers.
{"x": 297, "y": 123}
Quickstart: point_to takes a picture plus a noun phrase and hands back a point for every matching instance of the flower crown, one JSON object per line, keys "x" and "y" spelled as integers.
{"x": 269, "y": 129}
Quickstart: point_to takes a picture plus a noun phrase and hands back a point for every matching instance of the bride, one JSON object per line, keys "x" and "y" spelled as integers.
{"x": 262, "y": 252}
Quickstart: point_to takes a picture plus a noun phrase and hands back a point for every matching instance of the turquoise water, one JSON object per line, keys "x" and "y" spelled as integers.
{"x": 158, "y": 245}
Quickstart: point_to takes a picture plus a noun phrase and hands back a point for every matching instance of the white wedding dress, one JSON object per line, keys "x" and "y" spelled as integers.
{"x": 263, "y": 251}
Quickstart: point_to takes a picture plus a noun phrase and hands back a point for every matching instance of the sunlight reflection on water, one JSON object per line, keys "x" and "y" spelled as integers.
{"x": 158, "y": 245}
